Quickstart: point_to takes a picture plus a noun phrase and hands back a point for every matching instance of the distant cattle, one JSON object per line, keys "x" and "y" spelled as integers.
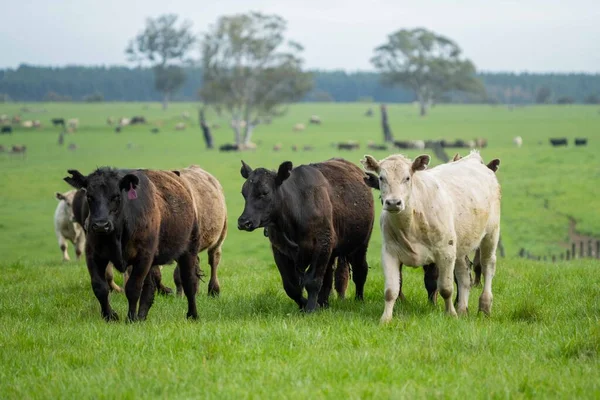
{"x": 110, "y": 121}
{"x": 315, "y": 119}
{"x": 581, "y": 141}
{"x": 137, "y": 120}
{"x": 314, "y": 213}
{"x": 2, "y": 149}
{"x": 349, "y": 145}
{"x": 374, "y": 146}
{"x": 19, "y": 149}
{"x": 73, "y": 124}
{"x": 27, "y": 124}
{"x": 558, "y": 142}
{"x": 4, "y": 119}
{"x": 58, "y": 122}
{"x": 277, "y": 147}
{"x": 154, "y": 130}
{"x": 229, "y": 147}
{"x": 179, "y": 126}
{"x": 409, "y": 144}
{"x": 299, "y": 127}
{"x": 308, "y": 147}
{"x": 16, "y": 119}
{"x": 472, "y": 221}
{"x": 369, "y": 112}
{"x": 124, "y": 122}
{"x": 7, "y": 130}
{"x": 481, "y": 143}
{"x": 37, "y": 124}
{"x": 142, "y": 218}
{"x": 118, "y": 129}
{"x": 72, "y": 147}
{"x": 518, "y": 141}
{"x": 185, "y": 115}
{"x": 65, "y": 227}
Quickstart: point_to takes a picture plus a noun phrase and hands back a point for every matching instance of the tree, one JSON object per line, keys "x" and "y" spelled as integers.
{"x": 542, "y": 96}
{"x": 250, "y": 72}
{"x": 428, "y": 64}
{"x": 163, "y": 44}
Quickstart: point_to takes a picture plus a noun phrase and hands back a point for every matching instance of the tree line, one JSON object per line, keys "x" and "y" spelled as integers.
{"x": 80, "y": 83}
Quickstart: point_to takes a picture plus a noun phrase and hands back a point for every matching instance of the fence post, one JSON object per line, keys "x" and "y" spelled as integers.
{"x": 573, "y": 250}
{"x": 553, "y": 258}
{"x": 562, "y": 256}
{"x": 568, "y": 255}
{"x": 590, "y": 248}
{"x": 539, "y": 258}
{"x": 581, "y": 254}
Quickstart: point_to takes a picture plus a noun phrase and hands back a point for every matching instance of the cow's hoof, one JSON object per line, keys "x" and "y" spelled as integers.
{"x": 485, "y": 304}
{"x": 193, "y": 317}
{"x": 165, "y": 291}
{"x": 461, "y": 311}
{"x": 385, "y": 319}
{"x": 214, "y": 290}
{"x": 111, "y": 316}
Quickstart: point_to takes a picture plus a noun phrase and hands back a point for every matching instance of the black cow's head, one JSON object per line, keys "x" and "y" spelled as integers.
{"x": 106, "y": 190}
{"x": 258, "y": 192}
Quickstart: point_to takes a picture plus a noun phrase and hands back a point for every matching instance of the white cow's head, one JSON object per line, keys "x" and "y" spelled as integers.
{"x": 395, "y": 178}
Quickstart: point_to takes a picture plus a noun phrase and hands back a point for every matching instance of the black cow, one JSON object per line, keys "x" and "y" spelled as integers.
{"x": 229, "y": 147}
{"x": 142, "y": 218}
{"x": 558, "y": 142}
{"x": 58, "y": 122}
{"x": 580, "y": 141}
{"x": 313, "y": 213}
{"x": 7, "y": 130}
{"x": 137, "y": 120}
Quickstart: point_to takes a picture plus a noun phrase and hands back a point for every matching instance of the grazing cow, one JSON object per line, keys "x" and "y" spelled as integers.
{"x": 581, "y": 141}
{"x": 118, "y": 129}
{"x": 7, "y": 130}
{"x": 437, "y": 216}
{"x": 179, "y": 126}
{"x": 374, "y": 146}
{"x": 308, "y": 147}
{"x": 154, "y": 130}
{"x": 518, "y": 141}
{"x": 137, "y": 120}
{"x": 27, "y": 124}
{"x": 349, "y": 145}
{"x": 72, "y": 147}
{"x": 277, "y": 147}
{"x": 558, "y": 142}
{"x": 211, "y": 214}
{"x": 16, "y": 119}
{"x": 124, "y": 122}
{"x": 299, "y": 127}
{"x": 110, "y": 121}
{"x": 142, "y": 218}
{"x": 314, "y": 213}
{"x": 369, "y": 112}
{"x": 185, "y": 115}
{"x": 315, "y": 119}
{"x": 19, "y": 149}
{"x": 58, "y": 122}
{"x": 73, "y": 124}
{"x": 65, "y": 227}
{"x": 229, "y": 147}
{"x": 481, "y": 143}
{"x": 410, "y": 144}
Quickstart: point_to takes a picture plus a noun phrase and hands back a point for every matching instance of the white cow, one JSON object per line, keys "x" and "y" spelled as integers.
{"x": 65, "y": 226}
{"x": 518, "y": 141}
{"x": 438, "y": 216}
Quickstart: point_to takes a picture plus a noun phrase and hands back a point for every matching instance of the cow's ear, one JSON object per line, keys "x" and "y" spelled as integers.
{"x": 372, "y": 180}
{"x": 246, "y": 170}
{"x": 59, "y": 196}
{"x": 370, "y": 163}
{"x": 129, "y": 181}
{"x": 176, "y": 172}
{"x": 420, "y": 163}
{"x": 494, "y": 165}
{"x": 284, "y": 172}
{"x": 77, "y": 180}
{"x": 456, "y": 157}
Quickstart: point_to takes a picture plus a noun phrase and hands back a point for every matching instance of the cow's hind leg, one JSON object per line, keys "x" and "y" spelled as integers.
{"x": 147, "y": 295}
{"x": 463, "y": 282}
{"x": 187, "y": 264}
{"x": 97, "y": 270}
{"x": 110, "y": 278}
{"x": 360, "y": 269}
{"x": 391, "y": 272}
{"x": 326, "y": 287}
{"x": 64, "y": 246}
{"x": 430, "y": 278}
{"x": 214, "y": 257}
{"x": 488, "y": 270}
{"x": 163, "y": 290}
{"x": 342, "y": 274}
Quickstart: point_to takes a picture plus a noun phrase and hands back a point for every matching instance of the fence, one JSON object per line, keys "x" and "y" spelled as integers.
{"x": 581, "y": 249}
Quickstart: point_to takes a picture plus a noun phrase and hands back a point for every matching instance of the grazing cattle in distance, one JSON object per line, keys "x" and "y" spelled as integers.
{"x": 179, "y": 126}
{"x": 27, "y": 124}
{"x": 58, "y": 122}
{"x": 409, "y": 144}
{"x": 154, "y": 130}
{"x": 315, "y": 119}
{"x": 277, "y": 147}
{"x": 185, "y": 115}
{"x": 581, "y": 141}
{"x": 349, "y": 145}
{"x": 427, "y": 218}
{"x": 142, "y": 218}
{"x": 308, "y": 147}
{"x": 313, "y": 213}
{"x": 72, "y": 147}
{"x": 16, "y": 119}
{"x": 65, "y": 227}
{"x": 369, "y": 112}
{"x": 7, "y": 130}
{"x": 373, "y": 146}
{"x": 211, "y": 214}
{"x": 481, "y": 143}
{"x": 110, "y": 121}
{"x": 137, "y": 120}
{"x": 37, "y": 123}
{"x": 19, "y": 149}
{"x": 73, "y": 124}
{"x": 558, "y": 142}
{"x": 518, "y": 141}
{"x": 299, "y": 127}
{"x": 124, "y": 122}
{"x": 229, "y": 147}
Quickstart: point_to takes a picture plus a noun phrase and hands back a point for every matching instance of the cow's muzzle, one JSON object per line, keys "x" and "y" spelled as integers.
{"x": 102, "y": 227}
{"x": 393, "y": 205}
{"x": 245, "y": 225}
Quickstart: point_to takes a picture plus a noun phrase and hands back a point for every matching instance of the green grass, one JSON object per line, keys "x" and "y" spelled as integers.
{"x": 542, "y": 340}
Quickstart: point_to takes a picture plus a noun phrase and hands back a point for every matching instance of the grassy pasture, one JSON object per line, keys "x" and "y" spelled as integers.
{"x": 543, "y": 339}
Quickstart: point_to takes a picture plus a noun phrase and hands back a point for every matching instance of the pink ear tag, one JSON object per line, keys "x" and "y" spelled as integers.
{"x": 131, "y": 193}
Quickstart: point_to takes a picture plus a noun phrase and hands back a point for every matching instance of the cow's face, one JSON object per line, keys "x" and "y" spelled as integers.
{"x": 67, "y": 197}
{"x": 258, "y": 191}
{"x": 395, "y": 179}
{"x": 105, "y": 192}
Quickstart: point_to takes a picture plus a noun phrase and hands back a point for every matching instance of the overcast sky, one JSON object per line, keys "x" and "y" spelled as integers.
{"x": 524, "y": 35}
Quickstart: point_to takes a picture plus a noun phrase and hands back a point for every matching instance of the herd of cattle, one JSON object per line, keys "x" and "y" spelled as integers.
{"x": 317, "y": 217}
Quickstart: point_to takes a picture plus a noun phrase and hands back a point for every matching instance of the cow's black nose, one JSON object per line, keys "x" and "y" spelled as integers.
{"x": 101, "y": 226}
{"x": 393, "y": 202}
{"x": 244, "y": 224}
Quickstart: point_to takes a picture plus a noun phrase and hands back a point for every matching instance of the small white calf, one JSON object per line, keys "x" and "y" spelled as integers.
{"x": 438, "y": 216}
{"x": 518, "y": 141}
{"x": 65, "y": 226}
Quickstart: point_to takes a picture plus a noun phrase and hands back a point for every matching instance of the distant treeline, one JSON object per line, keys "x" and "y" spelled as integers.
{"x": 77, "y": 83}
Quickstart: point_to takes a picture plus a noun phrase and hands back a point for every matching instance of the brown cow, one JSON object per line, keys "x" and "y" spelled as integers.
{"x": 142, "y": 218}
{"x": 314, "y": 213}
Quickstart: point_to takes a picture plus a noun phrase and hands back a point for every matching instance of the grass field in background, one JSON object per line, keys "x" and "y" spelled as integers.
{"x": 542, "y": 340}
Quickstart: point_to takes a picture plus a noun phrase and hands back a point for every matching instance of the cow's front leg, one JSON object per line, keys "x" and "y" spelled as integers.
{"x": 313, "y": 280}
{"x": 134, "y": 285}
{"x": 445, "y": 262}
{"x": 290, "y": 277}
{"x": 391, "y": 272}
{"x": 97, "y": 270}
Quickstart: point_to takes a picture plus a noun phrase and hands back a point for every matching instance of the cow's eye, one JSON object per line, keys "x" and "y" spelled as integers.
{"x": 407, "y": 178}
{"x": 381, "y": 178}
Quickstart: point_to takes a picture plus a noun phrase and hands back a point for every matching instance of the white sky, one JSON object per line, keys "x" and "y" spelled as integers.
{"x": 497, "y": 35}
